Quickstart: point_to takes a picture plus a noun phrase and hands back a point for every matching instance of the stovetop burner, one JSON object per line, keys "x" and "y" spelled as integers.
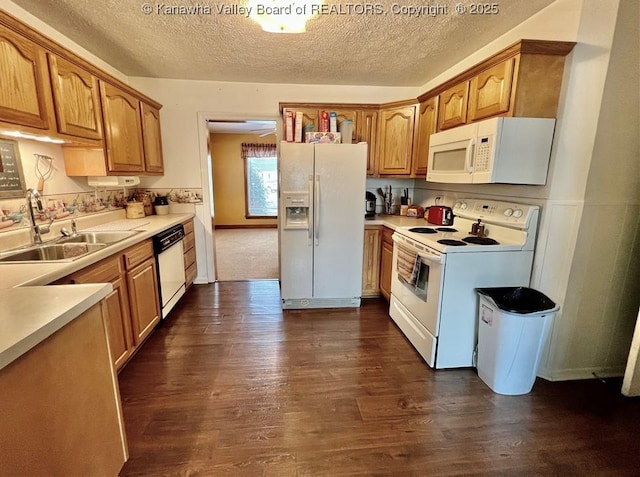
{"x": 423, "y": 230}
{"x": 446, "y": 229}
{"x": 456, "y": 243}
{"x": 481, "y": 240}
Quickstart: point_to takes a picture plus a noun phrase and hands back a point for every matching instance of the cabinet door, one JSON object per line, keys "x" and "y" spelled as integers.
{"x": 396, "y": 141}
{"x": 152, "y": 141}
{"x": 490, "y": 91}
{"x": 367, "y": 131}
{"x": 76, "y": 99}
{"x": 143, "y": 299}
{"x": 427, "y": 122}
{"x": 122, "y": 129}
{"x": 453, "y": 106}
{"x": 386, "y": 259}
{"x": 23, "y": 75}
{"x": 118, "y": 323}
{"x": 371, "y": 262}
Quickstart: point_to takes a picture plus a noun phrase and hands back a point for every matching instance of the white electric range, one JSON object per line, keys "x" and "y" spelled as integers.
{"x": 436, "y": 270}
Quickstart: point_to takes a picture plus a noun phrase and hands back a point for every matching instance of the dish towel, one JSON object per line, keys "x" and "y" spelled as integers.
{"x": 408, "y": 265}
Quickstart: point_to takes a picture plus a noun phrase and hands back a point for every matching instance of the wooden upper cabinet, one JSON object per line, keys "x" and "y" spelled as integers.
{"x": 427, "y": 122}
{"x": 76, "y": 99}
{"x": 25, "y": 95}
{"x": 367, "y": 131}
{"x": 453, "y": 106}
{"x": 490, "y": 91}
{"x": 523, "y": 80}
{"x": 152, "y": 141}
{"x": 122, "y": 130}
{"x": 396, "y": 140}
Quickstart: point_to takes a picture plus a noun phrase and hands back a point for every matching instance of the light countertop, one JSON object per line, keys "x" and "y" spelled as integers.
{"x": 31, "y": 312}
{"x": 394, "y": 221}
{"x": 43, "y": 273}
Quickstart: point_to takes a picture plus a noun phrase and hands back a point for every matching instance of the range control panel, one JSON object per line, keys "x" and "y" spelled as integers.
{"x": 498, "y": 212}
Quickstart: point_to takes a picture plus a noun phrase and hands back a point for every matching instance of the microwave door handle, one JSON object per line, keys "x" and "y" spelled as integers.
{"x": 470, "y": 159}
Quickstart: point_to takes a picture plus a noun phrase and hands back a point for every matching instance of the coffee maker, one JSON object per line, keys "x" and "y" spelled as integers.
{"x": 369, "y": 204}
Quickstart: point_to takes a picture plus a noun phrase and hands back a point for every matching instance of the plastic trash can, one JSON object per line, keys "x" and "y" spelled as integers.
{"x": 513, "y": 325}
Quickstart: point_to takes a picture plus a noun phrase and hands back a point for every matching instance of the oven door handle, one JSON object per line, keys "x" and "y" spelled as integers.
{"x": 439, "y": 259}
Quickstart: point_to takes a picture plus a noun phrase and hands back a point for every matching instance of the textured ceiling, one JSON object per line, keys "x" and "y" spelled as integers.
{"x": 390, "y": 49}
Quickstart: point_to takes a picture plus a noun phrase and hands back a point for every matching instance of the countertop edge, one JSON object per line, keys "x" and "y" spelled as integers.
{"x": 51, "y": 271}
{"x": 395, "y": 221}
{"x": 81, "y": 298}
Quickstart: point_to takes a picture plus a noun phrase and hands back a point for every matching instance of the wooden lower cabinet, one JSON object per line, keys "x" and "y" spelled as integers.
{"x": 386, "y": 259}
{"x": 134, "y": 308}
{"x": 371, "y": 261}
{"x": 61, "y": 410}
{"x": 190, "y": 267}
{"x": 143, "y": 293}
{"x": 119, "y": 327}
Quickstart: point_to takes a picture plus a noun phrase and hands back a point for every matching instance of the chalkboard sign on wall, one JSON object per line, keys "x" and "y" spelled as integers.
{"x": 11, "y": 178}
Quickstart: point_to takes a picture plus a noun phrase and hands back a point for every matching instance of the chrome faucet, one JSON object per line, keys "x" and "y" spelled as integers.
{"x": 74, "y": 230}
{"x": 36, "y": 230}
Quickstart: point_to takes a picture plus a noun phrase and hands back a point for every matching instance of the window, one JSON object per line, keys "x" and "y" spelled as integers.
{"x": 261, "y": 180}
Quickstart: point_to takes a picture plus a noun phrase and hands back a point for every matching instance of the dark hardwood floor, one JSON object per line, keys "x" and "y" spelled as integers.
{"x": 231, "y": 386}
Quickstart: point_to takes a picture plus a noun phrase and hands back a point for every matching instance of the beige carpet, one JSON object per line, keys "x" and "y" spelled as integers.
{"x": 246, "y": 254}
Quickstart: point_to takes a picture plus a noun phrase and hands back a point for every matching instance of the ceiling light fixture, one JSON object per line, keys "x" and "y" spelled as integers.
{"x": 283, "y": 16}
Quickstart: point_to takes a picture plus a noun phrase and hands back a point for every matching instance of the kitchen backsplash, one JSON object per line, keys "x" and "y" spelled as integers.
{"x": 65, "y": 206}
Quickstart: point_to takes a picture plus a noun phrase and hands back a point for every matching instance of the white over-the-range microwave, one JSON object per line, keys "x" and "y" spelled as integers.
{"x": 498, "y": 150}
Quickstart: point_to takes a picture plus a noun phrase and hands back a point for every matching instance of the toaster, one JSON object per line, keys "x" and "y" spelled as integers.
{"x": 439, "y": 215}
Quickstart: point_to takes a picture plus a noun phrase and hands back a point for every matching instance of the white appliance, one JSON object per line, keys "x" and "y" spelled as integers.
{"x": 321, "y": 224}
{"x": 435, "y": 272}
{"x": 113, "y": 181}
{"x": 504, "y": 150}
{"x": 169, "y": 252}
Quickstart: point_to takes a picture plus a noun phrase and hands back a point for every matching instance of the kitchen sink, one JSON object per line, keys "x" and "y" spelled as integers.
{"x": 55, "y": 252}
{"x": 104, "y": 237}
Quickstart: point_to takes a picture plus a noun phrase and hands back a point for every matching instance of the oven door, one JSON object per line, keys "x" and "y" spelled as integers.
{"x": 422, "y": 298}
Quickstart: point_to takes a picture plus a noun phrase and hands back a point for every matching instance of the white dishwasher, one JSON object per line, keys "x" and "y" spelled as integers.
{"x": 167, "y": 246}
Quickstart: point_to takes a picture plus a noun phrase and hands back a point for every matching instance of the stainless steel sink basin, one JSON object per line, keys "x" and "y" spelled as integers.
{"x": 106, "y": 237}
{"x": 57, "y": 252}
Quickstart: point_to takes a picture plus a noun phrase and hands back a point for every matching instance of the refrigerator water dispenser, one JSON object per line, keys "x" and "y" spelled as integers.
{"x": 296, "y": 206}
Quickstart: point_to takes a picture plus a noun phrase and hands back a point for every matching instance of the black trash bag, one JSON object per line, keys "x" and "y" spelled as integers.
{"x": 521, "y": 300}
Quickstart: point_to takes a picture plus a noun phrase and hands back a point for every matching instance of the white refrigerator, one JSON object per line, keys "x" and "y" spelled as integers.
{"x": 321, "y": 224}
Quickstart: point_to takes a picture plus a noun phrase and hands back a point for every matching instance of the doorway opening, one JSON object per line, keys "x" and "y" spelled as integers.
{"x": 245, "y": 197}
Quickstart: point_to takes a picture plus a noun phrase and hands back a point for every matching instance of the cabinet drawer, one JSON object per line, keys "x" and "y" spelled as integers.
{"x": 188, "y": 227}
{"x": 102, "y": 272}
{"x": 189, "y": 241}
{"x": 189, "y": 257}
{"x": 191, "y": 273}
{"x": 137, "y": 254}
{"x": 386, "y": 235}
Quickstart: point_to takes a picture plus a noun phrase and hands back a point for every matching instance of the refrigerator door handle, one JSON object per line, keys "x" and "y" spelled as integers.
{"x": 316, "y": 212}
{"x": 311, "y": 211}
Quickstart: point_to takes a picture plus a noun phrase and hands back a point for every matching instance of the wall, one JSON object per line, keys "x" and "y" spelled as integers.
{"x": 229, "y": 178}
{"x": 602, "y": 295}
{"x": 188, "y": 104}
{"x": 587, "y": 249}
